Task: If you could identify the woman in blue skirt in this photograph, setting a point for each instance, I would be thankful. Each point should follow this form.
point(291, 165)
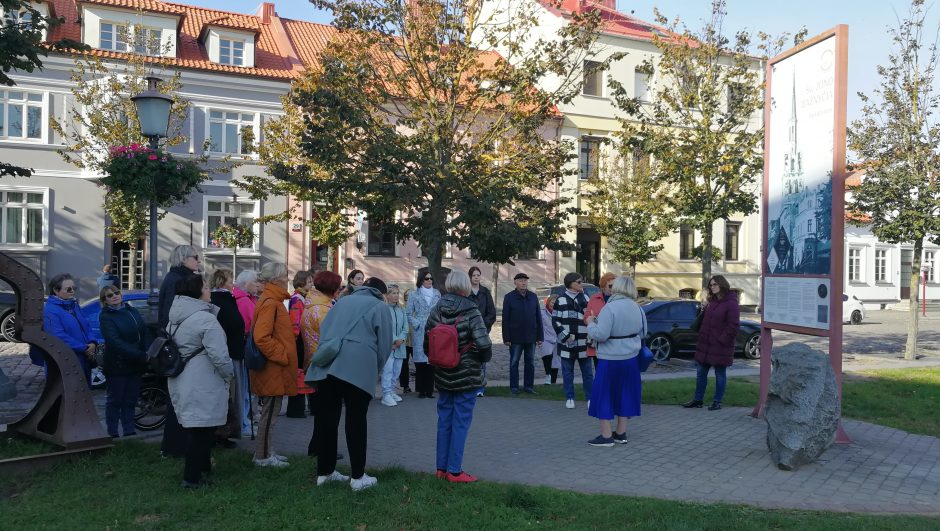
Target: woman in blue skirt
point(617, 332)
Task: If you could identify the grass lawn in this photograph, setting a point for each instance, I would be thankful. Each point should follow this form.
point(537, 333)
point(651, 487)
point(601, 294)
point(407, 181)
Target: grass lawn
point(133, 487)
point(906, 399)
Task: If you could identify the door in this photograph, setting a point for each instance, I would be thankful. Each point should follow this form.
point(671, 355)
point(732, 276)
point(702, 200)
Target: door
point(121, 264)
point(588, 257)
point(907, 263)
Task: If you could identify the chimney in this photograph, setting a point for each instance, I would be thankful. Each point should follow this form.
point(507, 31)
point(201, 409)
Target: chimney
point(266, 12)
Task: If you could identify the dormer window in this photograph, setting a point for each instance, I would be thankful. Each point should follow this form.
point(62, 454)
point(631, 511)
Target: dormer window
point(124, 31)
point(231, 52)
point(17, 18)
point(147, 41)
point(113, 37)
point(23, 17)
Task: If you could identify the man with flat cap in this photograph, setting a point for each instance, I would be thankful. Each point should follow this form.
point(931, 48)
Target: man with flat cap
point(522, 332)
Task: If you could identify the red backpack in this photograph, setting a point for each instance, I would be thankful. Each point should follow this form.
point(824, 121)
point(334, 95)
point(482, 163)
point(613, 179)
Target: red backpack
point(443, 348)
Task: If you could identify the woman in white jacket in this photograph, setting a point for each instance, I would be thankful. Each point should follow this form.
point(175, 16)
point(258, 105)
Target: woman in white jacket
point(618, 333)
point(200, 393)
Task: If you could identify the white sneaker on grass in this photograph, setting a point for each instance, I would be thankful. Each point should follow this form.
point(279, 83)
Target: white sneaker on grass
point(362, 483)
point(334, 476)
point(396, 397)
point(569, 404)
point(279, 457)
point(548, 379)
point(387, 400)
point(272, 462)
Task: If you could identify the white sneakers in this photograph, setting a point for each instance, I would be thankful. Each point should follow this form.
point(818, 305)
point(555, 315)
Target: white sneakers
point(389, 400)
point(569, 404)
point(272, 461)
point(548, 379)
point(362, 483)
point(396, 397)
point(335, 476)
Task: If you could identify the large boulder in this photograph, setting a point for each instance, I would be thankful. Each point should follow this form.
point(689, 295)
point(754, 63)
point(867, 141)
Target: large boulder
point(7, 388)
point(803, 407)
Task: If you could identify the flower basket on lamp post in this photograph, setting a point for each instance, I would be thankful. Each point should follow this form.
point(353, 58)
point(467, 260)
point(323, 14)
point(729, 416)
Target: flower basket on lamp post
point(233, 236)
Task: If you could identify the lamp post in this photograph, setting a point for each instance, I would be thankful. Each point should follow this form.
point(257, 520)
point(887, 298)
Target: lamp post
point(153, 113)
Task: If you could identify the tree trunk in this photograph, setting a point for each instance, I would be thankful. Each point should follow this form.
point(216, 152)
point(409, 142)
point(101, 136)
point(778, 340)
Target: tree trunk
point(132, 277)
point(434, 252)
point(632, 270)
point(330, 258)
point(495, 282)
point(913, 323)
point(706, 256)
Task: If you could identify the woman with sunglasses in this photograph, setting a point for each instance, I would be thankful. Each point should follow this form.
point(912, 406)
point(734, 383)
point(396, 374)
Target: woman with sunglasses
point(125, 359)
point(62, 318)
point(419, 307)
point(715, 346)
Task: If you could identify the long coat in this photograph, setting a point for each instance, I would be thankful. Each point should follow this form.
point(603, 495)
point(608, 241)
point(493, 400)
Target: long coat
point(484, 301)
point(231, 321)
point(719, 328)
point(246, 306)
point(274, 336)
point(418, 309)
point(471, 335)
point(364, 323)
point(310, 322)
point(200, 393)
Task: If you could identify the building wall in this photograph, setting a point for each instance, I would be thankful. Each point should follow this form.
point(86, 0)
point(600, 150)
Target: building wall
point(878, 293)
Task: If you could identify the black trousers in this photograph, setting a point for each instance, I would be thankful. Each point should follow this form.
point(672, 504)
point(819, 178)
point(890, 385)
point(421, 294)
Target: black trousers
point(547, 363)
point(297, 404)
point(313, 447)
point(198, 452)
point(333, 394)
point(174, 440)
point(404, 378)
point(424, 378)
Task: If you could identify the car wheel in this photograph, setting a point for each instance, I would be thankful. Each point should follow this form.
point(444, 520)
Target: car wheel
point(151, 409)
point(856, 317)
point(661, 347)
point(752, 347)
point(8, 327)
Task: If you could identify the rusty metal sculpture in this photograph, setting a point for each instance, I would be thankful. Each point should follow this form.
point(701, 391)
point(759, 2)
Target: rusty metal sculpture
point(64, 415)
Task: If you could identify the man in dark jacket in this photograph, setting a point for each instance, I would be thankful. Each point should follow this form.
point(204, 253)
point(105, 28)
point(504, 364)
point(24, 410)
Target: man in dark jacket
point(522, 332)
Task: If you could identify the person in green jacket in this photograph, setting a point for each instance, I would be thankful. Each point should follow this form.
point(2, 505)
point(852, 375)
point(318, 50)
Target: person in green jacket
point(125, 358)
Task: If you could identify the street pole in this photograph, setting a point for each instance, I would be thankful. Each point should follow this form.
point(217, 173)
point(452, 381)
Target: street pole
point(152, 300)
point(923, 300)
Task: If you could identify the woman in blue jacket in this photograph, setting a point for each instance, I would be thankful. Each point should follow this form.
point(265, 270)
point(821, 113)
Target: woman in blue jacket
point(125, 358)
point(62, 318)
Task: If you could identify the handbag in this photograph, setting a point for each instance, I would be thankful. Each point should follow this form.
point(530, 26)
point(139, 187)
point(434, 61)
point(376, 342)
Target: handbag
point(645, 357)
point(254, 358)
point(697, 322)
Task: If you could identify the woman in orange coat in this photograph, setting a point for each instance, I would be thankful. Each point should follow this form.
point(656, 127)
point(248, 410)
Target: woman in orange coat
point(274, 336)
point(596, 304)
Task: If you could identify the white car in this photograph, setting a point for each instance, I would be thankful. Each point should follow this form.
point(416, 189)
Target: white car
point(853, 311)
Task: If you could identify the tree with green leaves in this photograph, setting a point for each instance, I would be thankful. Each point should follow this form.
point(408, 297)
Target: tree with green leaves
point(702, 125)
point(628, 206)
point(418, 122)
point(105, 117)
point(896, 139)
point(22, 47)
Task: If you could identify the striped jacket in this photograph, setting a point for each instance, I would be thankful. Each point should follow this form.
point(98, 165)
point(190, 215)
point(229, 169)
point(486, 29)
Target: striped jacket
point(568, 321)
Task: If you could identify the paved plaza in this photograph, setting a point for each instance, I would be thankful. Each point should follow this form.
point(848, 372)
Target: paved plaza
point(674, 453)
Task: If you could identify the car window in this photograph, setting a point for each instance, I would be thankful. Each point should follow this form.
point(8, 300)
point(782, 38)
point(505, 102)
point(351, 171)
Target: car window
point(140, 304)
point(656, 313)
point(682, 311)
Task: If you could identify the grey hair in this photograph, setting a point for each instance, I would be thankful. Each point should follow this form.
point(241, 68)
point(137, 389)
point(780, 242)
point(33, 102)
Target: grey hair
point(246, 276)
point(457, 282)
point(180, 252)
point(624, 285)
point(271, 271)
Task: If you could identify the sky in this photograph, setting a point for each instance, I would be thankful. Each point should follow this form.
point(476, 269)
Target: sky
point(868, 21)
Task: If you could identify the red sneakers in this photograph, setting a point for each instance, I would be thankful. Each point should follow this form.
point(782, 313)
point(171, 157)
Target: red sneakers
point(462, 477)
point(440, 474)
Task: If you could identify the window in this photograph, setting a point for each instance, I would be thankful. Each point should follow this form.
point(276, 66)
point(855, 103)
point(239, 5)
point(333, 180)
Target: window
point(732, 233)
point(930, 263)
point(590, 157)
point(147, 41)
point(227, 132)
point(529, 255)
point(641, 84)
point(881, 265)
point(225, 211)
point(21, 17)
point(686, 242)
point(381, 240)
point(809, 226)
point(23, 217)
point(593, 79)
point(855, 264)
point(113, 36)
point(21, 114)
point(231, 52)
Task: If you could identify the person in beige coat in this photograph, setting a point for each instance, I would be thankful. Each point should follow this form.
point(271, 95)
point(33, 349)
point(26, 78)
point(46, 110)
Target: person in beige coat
point(200, 393)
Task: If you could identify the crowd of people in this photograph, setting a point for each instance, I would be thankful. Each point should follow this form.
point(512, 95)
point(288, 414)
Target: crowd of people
point(326, 345)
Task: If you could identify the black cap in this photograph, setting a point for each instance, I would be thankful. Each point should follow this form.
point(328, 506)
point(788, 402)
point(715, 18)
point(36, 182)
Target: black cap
point(376, 283)
point(520, 275)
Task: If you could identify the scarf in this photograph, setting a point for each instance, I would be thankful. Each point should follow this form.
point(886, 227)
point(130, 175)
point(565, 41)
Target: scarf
point(427, 293)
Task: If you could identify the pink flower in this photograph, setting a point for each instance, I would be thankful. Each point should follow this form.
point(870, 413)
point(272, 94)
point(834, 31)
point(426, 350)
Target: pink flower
point(152, 157)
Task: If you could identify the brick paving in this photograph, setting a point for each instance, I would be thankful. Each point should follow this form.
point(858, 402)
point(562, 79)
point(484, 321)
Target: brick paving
point(690, 455)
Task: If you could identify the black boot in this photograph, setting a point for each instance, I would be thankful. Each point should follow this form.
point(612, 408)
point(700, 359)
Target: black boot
point(693, 403)
point(714, 407)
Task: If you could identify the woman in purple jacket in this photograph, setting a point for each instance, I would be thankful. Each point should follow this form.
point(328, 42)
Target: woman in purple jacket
point(716, 335)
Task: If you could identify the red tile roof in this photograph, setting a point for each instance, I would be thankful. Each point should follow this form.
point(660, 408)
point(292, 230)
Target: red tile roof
point(613, 22)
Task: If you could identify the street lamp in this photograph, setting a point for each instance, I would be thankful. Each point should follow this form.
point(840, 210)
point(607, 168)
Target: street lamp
point(153, 113)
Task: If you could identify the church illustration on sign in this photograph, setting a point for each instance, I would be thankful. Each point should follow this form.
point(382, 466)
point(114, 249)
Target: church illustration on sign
point(799, 240)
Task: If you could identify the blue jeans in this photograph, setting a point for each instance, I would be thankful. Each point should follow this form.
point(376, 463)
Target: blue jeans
point(701, 381)
point(121, 403)
point(587, 376)
point(454, 414)
point(516, 350)
point(483, 367)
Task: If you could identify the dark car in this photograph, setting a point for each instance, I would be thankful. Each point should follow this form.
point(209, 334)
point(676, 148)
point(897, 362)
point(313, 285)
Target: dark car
point(544, 292)
point(7, 315)
point(670, 329)
point(137, 298)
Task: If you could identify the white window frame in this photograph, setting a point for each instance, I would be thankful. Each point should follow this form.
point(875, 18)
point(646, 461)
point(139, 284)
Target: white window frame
point(642, 84)
point(855, 255)
point(254, 123)
point(930, 259)
point(143, 39)
point(117, 45)
point(882, 266)
point(539, 255)
point(206, 234)
point(229, 58)
point(25, 103)
point(584, 162)
point(25, 206)
point(17, 16)
point(601, 78)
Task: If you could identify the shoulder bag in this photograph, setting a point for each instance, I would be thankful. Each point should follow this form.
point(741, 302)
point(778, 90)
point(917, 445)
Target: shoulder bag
point(254, 358)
